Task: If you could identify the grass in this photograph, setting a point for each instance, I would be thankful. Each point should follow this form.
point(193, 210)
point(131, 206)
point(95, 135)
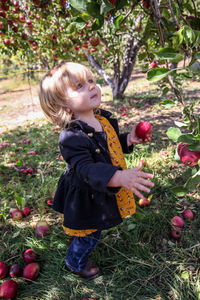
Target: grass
point(138, 259)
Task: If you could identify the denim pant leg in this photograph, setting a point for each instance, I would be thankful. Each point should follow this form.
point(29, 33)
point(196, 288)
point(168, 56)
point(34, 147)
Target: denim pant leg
point(79, 249)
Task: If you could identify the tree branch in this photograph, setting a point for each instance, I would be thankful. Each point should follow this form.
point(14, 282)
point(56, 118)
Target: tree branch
point(158, 21)
point(173, 16)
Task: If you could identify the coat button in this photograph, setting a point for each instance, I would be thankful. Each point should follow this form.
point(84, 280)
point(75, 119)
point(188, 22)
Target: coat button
point(90, 134)
point(98, 151)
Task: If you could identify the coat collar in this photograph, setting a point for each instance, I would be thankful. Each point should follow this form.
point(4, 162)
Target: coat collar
point(84, 126)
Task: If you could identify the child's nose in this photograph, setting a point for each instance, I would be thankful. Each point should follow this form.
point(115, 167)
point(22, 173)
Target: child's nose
point(91, 86)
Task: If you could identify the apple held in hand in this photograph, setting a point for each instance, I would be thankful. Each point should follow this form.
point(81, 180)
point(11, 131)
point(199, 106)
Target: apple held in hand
point(143, 129)
point(29, 256)
point(15, 270)
point(144, 202)
point(176, 233)
point(42, 228)
point(31, 271)
point(177, 221)
point(3, 270)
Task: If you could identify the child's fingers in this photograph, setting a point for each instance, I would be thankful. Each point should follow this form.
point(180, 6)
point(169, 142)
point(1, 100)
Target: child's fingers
point(142, 187)
point(137, 193)
point(146, 182)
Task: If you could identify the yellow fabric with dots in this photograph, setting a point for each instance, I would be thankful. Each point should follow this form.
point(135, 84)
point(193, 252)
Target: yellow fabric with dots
point(125, 199)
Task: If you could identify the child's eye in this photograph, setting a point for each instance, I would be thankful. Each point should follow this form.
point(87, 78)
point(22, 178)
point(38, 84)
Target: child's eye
point(79, 86)
point(90, 80)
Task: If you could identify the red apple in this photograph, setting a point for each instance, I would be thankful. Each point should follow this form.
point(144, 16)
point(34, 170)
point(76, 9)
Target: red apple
point(153, 64)
point(112, 1)
point(94, 41)
point(29, 256)
point(15, 270)
point(54, 36)
point(3, 270)
point(42, 228)
point(33, 152)
point(77, 48)
point(143, 129)
point(50, 202)
point(31, 271)
point(16, 214)
point(177, 221)
point(6, 42)
point(146, 4)
point(188, 157)
point(21, 18)
point(176, 233)
point(144, 202)
point(8, 289)
point(188, 214)
point(26, 210)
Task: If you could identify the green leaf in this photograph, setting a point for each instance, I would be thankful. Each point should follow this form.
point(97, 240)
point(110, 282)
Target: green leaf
point(166, 53)
point(105, 7)
point(194, 147)
point(19, 162)
point(193, 182)
point(168, 103)
point(157, 74)
point(185, 275)
point(117, 22)
point(131, 227)
point(173, 133)
point(177, 58)
point(98, 23)
point(186, 138)
point(20, 201)
point(188, 34)
point(89, 6)
point(165, 91)
point(179, 190)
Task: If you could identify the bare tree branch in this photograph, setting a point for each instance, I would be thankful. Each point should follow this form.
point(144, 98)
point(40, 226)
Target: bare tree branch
point(173, 16)
point(158, 21)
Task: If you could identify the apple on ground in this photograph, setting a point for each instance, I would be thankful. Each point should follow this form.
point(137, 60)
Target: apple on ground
point(16, 214)
point(143, 129)
point(15, 270)
point(42, 228)
point(94, 41)
point(153, 64)
point(3, 270)
point(188, 214)
point(144, 202)
point(177, 221)
point(29, 255)
point(8, 289)
point(31, 271)
point(176, 233)
point(26, 210)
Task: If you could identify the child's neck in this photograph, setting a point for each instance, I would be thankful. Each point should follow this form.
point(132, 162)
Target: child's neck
point(90, 119)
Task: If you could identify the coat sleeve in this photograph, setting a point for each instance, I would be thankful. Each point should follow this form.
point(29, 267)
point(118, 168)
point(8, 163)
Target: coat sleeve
point(76, 150)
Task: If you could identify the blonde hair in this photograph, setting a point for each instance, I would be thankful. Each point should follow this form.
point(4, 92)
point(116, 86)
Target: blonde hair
point(52, 90)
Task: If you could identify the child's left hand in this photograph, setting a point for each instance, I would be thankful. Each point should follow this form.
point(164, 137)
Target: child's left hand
point(132, 138)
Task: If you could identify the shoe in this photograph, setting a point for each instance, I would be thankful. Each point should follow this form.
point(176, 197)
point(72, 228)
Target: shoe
point(91, 271)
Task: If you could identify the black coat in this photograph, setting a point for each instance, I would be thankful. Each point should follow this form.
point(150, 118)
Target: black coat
point(82, 194)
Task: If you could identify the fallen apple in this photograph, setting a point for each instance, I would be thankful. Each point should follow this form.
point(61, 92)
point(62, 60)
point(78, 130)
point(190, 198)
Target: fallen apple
point(3, 270)
point(29, 256)
point(153, 64)
point(42, 228)
point(16, 214)
point(15, 270)
point(177, 221)
point(26, 210)
point(8, 289)
point(176, 233)
point(143, 129)
point(144, 202)
point(31, 271)
point(188, 214)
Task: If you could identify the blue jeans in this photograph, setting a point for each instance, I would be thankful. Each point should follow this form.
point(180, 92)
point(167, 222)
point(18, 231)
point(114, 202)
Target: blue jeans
point(79, 250)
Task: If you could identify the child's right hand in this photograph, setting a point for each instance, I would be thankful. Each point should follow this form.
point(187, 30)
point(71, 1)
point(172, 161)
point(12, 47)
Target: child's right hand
point(133, 179)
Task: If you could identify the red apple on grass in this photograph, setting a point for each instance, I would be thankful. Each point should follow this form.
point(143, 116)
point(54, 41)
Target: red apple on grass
point(8, 289)
point(177, 221)
point(16, 214)
point(143, 129)
point(31, 271)
point(94, 41)
point(3, 270)
point(176, 233)
point(29, 256)
point(26, 210)
point(144, 202)
point(42, 228)
point(188, 214)
point(15, 270)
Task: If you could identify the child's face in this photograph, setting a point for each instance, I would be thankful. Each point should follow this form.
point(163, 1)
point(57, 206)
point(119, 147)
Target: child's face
point(84, 97)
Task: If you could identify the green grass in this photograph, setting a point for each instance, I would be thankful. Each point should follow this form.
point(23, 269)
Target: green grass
point(138, 259)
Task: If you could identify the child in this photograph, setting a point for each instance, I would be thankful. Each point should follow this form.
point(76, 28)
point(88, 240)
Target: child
point(96, 190)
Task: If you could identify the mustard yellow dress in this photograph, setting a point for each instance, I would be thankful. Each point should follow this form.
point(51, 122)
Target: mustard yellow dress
point(124, 197)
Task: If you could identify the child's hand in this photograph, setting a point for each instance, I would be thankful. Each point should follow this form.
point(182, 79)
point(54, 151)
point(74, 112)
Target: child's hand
point(133, 179)
point(132, 138)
